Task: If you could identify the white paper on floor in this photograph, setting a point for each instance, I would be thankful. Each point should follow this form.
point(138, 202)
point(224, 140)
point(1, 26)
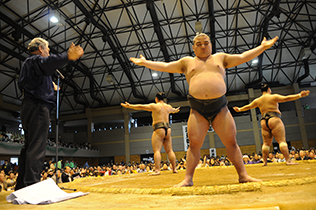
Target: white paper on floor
point(44, 192)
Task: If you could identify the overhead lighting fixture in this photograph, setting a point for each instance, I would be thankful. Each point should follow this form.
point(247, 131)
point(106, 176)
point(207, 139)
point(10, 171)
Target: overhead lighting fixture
point(154, 74)
point(255, 61)
point(53, 17)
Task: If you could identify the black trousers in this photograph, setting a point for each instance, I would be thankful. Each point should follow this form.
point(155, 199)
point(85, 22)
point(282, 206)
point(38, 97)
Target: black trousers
point(35, 117)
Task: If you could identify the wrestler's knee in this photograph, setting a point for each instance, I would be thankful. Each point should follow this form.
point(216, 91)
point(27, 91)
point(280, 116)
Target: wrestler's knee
point(196, 143)
point(230, 142)
point(265, 148)
point(283, 145)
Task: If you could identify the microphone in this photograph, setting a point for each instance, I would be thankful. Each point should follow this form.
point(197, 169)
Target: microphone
point(61, 75)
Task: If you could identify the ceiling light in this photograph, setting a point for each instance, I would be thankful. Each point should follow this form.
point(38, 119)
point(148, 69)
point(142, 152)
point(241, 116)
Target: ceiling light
point(54, 19)
point(155, 74)
point(254, 61)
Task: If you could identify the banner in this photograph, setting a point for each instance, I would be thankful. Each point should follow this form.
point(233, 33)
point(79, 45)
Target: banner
point(185, 137)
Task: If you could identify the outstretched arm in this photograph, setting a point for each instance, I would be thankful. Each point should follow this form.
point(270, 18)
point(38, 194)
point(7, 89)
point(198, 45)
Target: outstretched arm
point(237, 59)
point(171, 67)
point(292, 97)
point(174, 110)
point(252, 105)
point(146, 107)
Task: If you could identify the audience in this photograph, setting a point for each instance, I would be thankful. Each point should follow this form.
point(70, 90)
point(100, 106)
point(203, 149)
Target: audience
point(71, 171)
point(2, 180)
point(19, 138)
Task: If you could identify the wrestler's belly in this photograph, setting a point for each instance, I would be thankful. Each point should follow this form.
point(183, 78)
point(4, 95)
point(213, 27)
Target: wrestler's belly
point(207, 86)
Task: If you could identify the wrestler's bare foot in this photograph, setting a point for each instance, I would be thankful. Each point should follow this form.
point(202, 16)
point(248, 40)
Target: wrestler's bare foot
point(264, 164)
point(291, 163)
point(175, 171)
point(154, 174)
point(184, 183)
point(249, 179)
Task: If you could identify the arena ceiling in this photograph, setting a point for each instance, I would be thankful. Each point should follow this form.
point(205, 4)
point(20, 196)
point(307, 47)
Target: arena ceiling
point(112, 31)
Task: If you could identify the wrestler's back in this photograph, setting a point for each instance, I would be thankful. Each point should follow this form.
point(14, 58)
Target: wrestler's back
point(268, 103)
point(161, 113)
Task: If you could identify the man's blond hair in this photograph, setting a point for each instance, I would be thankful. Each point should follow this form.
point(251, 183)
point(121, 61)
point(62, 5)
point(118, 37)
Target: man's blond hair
point(199, 35)
point(36, 43)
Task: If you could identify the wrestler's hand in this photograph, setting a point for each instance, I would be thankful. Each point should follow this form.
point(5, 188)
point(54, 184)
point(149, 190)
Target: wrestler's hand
point(55, 86)
point(176, 110)
point(126, 104)
point(304, 93)
point(138, 61)
point(75, 52)
point(237, 109)
point(268, 43)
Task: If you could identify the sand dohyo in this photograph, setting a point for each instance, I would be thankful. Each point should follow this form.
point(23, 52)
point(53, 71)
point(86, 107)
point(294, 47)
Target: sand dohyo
point(283, 187)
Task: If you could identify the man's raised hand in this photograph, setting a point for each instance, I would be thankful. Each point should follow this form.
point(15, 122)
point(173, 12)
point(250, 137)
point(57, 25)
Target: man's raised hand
point(138, 61)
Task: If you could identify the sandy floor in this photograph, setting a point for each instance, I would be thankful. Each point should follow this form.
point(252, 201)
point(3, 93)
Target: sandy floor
point(283, 187)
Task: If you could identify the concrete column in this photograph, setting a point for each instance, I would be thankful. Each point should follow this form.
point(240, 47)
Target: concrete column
point(300, 116)
point(255, 126)
point(211, 139)
point(90, 125)
point(127, 125)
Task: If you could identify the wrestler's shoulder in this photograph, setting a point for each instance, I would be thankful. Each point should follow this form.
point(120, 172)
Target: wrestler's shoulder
point(187, 58)
point(218, 54)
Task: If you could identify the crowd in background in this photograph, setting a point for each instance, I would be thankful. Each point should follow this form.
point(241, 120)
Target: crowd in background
point(68, 170)
point(19, 139)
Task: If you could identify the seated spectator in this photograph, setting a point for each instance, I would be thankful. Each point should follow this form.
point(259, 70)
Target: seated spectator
point(91, 171)
point(227, 162)
point(311, 155)
point(256, 159)
point(108, 171)
point(50, 173)
point(149, 168)
point(120, 170)
point(292, 157)
point(10, 182)
point(297, 156)
point(142, 168)
point(213, 162)
point(303, 155)
point(200, 164)
point(99, 172)
point(281, 158)
point(66, 177)
point(246, 159)
point(182, 165)
point(44, 176)
point(76, 175)
point(222, 163)
point(114, 170)
point(2, 179)
point(165, 167)
point(129, 169)
point(218, 161)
